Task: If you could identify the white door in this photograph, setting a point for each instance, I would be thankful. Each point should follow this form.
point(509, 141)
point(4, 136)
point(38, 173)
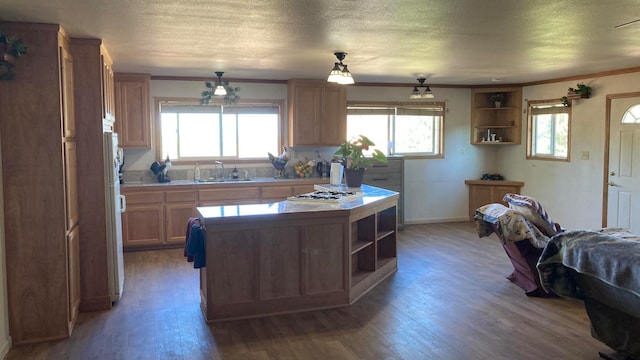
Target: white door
point(623, 205)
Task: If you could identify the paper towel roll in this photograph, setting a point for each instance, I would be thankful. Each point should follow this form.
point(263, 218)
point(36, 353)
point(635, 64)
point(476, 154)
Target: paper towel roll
point(335, 177)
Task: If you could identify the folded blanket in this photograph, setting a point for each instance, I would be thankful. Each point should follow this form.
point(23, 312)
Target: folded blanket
point(510, 225)
point(612, 259)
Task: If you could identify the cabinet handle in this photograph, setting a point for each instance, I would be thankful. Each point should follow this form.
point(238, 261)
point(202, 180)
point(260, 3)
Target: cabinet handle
point(379, 179)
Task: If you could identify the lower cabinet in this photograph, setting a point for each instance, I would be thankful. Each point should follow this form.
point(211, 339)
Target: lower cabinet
point(483, 192)
point(158, 218)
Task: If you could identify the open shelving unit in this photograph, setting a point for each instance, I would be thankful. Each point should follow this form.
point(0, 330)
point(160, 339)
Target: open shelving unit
point(504, 121)
point(373, 250)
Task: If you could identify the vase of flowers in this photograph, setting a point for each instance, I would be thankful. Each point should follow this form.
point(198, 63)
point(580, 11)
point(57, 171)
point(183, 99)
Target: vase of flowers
point(354, 160)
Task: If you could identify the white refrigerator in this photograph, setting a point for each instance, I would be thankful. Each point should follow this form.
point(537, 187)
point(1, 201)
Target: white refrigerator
point(115, 206)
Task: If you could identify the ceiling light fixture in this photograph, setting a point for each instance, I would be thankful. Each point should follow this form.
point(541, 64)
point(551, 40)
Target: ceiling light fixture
point(340, 73)
point(426, 94)
point(219, 89)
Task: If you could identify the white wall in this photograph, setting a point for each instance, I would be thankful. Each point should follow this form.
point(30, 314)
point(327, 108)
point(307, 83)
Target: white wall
point(5, 339)
point(570, 191)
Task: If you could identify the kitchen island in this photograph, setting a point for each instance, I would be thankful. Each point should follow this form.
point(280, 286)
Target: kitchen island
point(291, 256)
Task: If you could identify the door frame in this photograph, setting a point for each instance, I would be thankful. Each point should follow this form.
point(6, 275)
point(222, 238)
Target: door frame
point(607, 144)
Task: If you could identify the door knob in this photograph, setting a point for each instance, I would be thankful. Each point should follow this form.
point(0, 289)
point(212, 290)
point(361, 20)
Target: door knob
point(611, 183)
point(612, 173)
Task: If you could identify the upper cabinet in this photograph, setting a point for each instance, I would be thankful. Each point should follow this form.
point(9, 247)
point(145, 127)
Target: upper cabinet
point(317, 113)
point(132, 120)
point(496, 116)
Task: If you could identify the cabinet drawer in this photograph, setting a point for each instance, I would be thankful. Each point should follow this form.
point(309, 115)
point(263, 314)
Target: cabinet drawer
point(146, 197)
point(248, 193)
point(281, 192)
point(382, 168)
point(181, 196)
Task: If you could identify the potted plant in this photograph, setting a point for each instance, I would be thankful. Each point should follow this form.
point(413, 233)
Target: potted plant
point(11, 49)
point(497, 98)
point(581, 91)
point(354, 161)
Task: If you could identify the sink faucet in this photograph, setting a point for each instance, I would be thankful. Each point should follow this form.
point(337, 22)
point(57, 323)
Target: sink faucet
point(221, 165)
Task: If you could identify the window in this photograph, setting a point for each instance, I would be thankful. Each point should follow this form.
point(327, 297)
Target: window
point(548, 130)
point(632, 115)
point(191, 132)
point(413, 130)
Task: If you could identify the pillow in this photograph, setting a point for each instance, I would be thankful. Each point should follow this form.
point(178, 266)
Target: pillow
point(531, 209)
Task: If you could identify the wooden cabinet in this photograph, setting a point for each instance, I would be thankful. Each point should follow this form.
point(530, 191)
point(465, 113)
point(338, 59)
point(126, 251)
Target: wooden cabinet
point(487, 118)
point(180, 205)
point(317, 113)
point(483, 192)
point(38, 139)
point(94, 110)
point(389, 176)
point(157, 218)
point(132, 120)
point(143, 221)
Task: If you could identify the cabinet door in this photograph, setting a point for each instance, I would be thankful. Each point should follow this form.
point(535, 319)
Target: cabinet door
point(66, 73)
point(305, 115)
point(71, 183)
point(143, 225)
point(479, 195)
point(178, 215)
point(334, 115)
point(73, 273)
point(108, 101)
point(132, 121)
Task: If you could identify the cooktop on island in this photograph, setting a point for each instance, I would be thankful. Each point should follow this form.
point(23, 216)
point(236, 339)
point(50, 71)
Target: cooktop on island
point(327, 194)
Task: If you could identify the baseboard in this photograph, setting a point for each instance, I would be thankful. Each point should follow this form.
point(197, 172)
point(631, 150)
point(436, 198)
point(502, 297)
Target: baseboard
point(5, 346)
point(435, 221)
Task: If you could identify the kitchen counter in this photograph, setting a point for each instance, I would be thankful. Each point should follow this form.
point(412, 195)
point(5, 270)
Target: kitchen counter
point(251, 182)
point(292, 256)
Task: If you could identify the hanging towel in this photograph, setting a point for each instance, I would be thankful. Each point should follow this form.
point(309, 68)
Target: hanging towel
point(192, 221)
point(196, 247)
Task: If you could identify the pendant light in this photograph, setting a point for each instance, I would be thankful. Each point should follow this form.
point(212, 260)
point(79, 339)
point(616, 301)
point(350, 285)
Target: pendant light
point(340, 73)
point(220, 90)
point(426, 94)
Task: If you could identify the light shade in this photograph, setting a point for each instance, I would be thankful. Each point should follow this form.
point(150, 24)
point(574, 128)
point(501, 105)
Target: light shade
point(426, 94)
point(340, 74)
point(220, 90)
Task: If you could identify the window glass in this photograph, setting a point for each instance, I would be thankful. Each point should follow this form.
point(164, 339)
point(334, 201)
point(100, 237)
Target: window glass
point(632, 115)
point(191, 132)
point(413, 130)
point(548, 134)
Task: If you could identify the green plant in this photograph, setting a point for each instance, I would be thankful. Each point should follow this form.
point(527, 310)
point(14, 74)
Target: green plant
point(352, 152)
point(581, 89)
point(11, 48)
point(497, 97)
point(230, 98)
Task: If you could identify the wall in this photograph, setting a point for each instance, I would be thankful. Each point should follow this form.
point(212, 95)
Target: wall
point(5, 338)
point(437, 188)
point(570, 191)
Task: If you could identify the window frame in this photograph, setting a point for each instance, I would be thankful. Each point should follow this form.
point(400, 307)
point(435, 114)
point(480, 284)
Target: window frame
point(158, 101)
point(396, 104)
point(530, 131)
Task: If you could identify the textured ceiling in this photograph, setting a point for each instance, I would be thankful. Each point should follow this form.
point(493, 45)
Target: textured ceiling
point(454, 42)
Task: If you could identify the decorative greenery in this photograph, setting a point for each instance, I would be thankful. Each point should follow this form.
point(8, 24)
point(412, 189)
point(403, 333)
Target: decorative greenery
point(11, 48)
point(351, 152)
point(581, 89)
point(230, 98)
point(497, 97)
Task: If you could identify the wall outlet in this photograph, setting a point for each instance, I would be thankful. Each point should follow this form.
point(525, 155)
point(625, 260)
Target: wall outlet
point(584, 155)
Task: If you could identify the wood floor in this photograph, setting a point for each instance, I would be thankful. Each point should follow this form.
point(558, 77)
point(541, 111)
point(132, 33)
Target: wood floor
point(449, 300)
